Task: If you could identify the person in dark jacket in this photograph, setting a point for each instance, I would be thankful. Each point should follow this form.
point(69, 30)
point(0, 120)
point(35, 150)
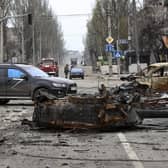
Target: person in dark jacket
point(66, 70)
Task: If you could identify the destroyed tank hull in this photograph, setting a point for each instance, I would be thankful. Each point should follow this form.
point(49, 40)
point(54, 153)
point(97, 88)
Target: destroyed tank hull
point(85, 112)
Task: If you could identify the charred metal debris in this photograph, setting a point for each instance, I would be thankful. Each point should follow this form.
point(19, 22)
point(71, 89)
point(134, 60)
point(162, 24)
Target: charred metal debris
point(125, 105)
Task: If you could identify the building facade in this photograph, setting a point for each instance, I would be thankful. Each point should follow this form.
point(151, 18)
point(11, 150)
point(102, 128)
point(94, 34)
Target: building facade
point(158, 12)
point(154, 3)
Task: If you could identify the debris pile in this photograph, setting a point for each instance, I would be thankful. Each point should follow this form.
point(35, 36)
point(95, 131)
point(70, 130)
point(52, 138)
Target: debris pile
point(126, 105)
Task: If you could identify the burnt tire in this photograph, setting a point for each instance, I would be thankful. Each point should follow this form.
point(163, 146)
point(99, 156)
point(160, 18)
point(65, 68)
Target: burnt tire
point(4, 101)
point(38, 92)
point(35, 117)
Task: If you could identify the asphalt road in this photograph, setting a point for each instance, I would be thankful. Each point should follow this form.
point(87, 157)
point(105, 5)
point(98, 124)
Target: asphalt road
point(21, 146)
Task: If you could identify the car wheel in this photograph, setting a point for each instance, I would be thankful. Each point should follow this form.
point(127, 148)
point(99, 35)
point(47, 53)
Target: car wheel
point(4, 101)
point(38, 92)
point(82, 77)
point(70, 77)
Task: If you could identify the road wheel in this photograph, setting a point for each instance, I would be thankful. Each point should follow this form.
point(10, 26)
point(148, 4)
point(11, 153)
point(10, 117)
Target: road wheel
point(35, 117)
point(4, 101)
point(38, 92)
point(82, 77)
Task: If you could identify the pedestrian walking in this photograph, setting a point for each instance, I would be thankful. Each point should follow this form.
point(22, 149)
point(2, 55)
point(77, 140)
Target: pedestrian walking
point(66, 70)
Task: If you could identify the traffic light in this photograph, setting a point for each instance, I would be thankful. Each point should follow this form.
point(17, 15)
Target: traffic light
point(29, 19)
point(166, 3)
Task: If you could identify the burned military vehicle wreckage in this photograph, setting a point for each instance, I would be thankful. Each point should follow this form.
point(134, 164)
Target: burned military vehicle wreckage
point(126, 105)
point(86, 111)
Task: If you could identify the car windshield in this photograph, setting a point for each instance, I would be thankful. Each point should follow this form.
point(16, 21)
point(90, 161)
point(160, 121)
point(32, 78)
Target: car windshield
point(76, 70)
point(48, 62)
point(36, 72)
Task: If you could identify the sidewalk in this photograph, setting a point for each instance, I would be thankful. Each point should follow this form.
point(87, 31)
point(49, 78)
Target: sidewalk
point(107, 77)
point(90, 73)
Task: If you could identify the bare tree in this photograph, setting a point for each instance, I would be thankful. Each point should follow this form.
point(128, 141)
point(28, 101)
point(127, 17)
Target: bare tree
point(97, 27)
point(4, 9)
point(40, 38)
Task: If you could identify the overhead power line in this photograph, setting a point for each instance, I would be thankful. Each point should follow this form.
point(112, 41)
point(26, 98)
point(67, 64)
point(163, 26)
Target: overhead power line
point(76, 14)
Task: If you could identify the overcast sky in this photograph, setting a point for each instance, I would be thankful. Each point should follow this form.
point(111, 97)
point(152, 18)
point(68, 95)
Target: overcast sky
point(74, 27)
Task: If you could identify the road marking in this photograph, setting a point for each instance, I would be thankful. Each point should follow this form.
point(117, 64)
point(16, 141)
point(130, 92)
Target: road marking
point(131, 154)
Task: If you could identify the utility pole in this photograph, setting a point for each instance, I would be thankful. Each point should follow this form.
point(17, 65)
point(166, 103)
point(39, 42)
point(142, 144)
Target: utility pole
point(136, 35)
point(23, 48)
point(33, 43)
point(129, 30)
point(1, 35)
point(129, 26)
point(40, 45)
point(109, 35)
point(118, 35)
point(33, 31)
point(1, 54)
